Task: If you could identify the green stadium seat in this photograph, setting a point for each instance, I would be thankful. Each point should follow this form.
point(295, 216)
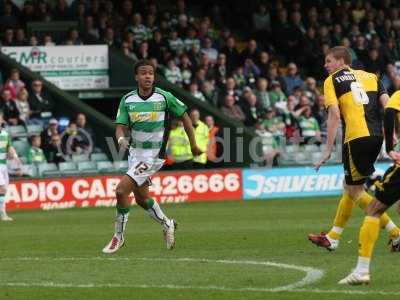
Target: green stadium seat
point(80, 158)
point(105, 166)
point(21, 146)
point(48, 169)
point(34, 129)
point(30, 170)
point(87, 167)
point(311, 148)
point(98, 157)
point(121, 166)
point(17, 131)
point(68, 168)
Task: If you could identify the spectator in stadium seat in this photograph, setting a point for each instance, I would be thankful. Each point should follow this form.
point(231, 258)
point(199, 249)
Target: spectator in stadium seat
point(48, 132)
point(140, 31)
point(73, 37)
point(157, 46)
point(8, 18)
point(292, 79)
point(40, 101)
point(240, 79)
point(72, 143)
point(202, 137)
point(232, 54)
point(320, 114)
point(90, 32)
point(230, 89)
point(220, 69)
point(109, 37)
point(264, 64)
point(35, 153)
point(262, 22)
point(375, 63)
point(311, 89)
point(309, 127)
point(262, 93)
point(33, 41)
point(191, 39)
point(8, 38)
point(250, 52)
point(143, 51)
point(28, 12)
point(389, 74)
point(126, 50)
point(251, 108)
point(84, 130)
point(273, 123)
point(186, 70)
point(208, 50)
point(194, 90)
point(14, 84)
point(23, 105)
point(175, 43)
point(42, 12)
point(52, 152)
point(232, 110)
point(251, 72)
point(276, 93)
point(20, 38)
point(61, 12)
point(270, 147)
point(48, 41)
point(9, 108)
point(211, 93)
point(172, 73)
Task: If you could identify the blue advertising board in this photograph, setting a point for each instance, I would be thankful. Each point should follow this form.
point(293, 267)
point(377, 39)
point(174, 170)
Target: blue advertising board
point(295, 182)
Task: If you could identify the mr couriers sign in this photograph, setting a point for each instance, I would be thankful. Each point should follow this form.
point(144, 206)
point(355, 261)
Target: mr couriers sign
point(68, 67)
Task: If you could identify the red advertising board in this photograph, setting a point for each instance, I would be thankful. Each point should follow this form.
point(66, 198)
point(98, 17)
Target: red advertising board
point(97, 191)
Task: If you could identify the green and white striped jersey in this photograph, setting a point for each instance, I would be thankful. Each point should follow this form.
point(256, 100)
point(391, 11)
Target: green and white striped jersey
point(148, 120)
point(5, 143)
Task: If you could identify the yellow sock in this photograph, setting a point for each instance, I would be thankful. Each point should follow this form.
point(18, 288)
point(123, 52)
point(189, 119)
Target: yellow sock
point(343, 213)
point(369, 233)
point(386, 222)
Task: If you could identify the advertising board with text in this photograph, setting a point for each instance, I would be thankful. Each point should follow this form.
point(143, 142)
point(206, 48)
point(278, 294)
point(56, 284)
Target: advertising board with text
point(99, 191)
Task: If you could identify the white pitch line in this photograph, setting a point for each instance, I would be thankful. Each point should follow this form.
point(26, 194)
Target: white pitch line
point(312, 274)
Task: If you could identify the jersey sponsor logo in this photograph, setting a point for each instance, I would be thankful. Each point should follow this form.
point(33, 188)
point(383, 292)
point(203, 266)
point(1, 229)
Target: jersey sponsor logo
point(143, 116)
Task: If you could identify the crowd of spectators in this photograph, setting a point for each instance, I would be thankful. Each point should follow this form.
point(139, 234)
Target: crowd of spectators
point(267, 75)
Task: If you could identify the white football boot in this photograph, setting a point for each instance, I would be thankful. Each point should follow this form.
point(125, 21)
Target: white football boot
point(356, 279)
point(169, 234)
point(115, 244)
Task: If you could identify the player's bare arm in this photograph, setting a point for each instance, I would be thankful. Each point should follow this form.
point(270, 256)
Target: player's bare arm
point(389, 121)
point(332, 126)
point(187, 124)
point(122, 136)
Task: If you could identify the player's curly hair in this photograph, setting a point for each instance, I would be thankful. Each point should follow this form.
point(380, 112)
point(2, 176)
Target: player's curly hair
point(141, 63)
point(339, 52)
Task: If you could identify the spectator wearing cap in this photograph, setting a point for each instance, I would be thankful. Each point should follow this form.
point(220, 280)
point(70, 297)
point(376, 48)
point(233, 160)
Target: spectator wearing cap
point(292, 79)
point(14, 84)
point(40, 101)
point(48, 132)
point(9, 108)
point(232, 110)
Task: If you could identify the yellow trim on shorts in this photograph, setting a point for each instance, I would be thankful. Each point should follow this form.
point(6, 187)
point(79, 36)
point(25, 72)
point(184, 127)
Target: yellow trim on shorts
point(355, 175)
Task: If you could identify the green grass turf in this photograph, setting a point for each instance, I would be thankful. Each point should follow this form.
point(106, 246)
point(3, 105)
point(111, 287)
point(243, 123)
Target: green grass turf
point(272, 231)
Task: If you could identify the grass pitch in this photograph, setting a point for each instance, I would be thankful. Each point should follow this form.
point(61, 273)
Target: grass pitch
point(57, 254)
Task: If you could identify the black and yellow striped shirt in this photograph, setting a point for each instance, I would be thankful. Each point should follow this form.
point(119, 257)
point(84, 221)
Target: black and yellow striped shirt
point(357, 93)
